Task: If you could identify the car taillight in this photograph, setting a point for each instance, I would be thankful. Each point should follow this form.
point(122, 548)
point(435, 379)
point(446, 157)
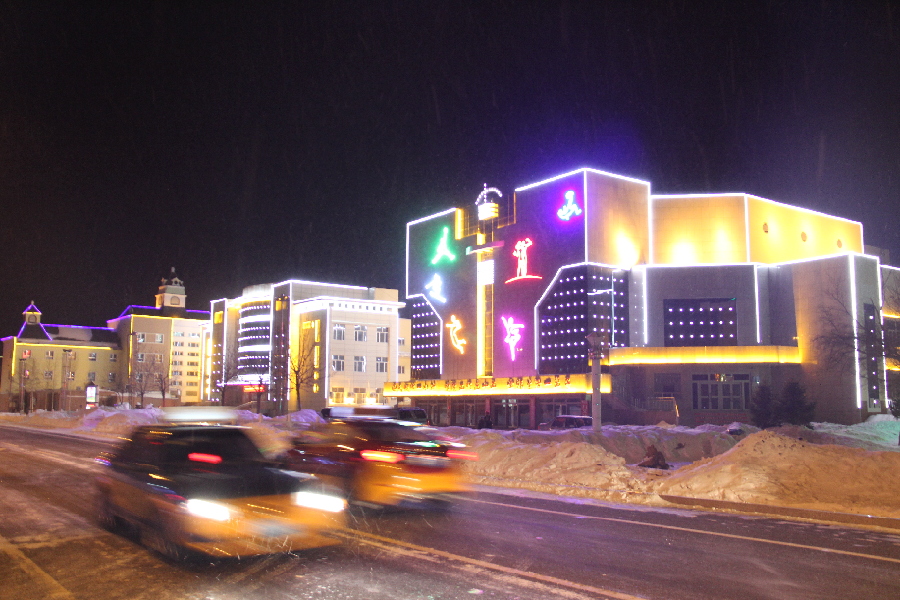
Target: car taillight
point(381, 456)
point(462, 455)
point(212, 459)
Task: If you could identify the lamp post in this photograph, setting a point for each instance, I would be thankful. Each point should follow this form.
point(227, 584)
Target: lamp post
point(598, 350)
point(67, 355)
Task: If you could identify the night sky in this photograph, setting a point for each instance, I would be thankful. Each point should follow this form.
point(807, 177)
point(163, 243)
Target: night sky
point(253, 142)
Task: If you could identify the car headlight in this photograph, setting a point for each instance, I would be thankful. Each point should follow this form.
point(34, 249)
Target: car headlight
point(319, 501)
point(207, 510)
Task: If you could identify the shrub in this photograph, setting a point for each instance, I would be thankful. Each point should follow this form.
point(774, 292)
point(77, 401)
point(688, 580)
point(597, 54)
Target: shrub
point(792, 407)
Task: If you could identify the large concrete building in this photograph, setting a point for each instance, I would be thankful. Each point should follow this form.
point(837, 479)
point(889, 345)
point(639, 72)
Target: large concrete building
point(689, 302)
point(148, 354)
point(302, 344)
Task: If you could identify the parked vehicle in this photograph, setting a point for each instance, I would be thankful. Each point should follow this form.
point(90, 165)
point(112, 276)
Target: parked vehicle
point(567, 422)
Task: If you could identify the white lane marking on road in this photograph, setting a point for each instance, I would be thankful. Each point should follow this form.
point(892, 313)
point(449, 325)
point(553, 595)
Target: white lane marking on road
point(391, 543)
point(689, 530)
point(55, 590)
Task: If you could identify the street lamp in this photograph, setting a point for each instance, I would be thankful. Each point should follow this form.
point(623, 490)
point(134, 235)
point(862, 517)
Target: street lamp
point(22, 385)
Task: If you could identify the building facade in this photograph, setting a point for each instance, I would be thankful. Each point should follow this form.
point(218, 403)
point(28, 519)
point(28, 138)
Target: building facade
point(146, 355)
point(678, 307)
point(302, 344)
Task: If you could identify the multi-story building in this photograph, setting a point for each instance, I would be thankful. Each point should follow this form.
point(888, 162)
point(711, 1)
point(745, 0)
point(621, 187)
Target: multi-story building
point(688, 303)
point(149, 354)
point(306, 344)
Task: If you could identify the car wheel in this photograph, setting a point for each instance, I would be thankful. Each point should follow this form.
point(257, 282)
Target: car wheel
point(105, 517)
point(156, 537)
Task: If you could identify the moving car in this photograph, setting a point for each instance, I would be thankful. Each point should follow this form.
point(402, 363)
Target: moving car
point(187, 489)
point(381, 462)
point(404, 413)
point(567, 422)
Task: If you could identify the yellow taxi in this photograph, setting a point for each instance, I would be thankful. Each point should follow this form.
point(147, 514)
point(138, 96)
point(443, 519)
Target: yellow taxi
point(381, 462)
point(188, 489)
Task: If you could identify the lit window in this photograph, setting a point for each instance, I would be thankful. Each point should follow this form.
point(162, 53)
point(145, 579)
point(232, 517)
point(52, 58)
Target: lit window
point(337, 394)
point(140, 357)
point(159, 338)
point(359, 394)
point(141, 337)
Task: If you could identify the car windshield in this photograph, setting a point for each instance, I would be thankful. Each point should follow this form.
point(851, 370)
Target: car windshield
point(230, 445)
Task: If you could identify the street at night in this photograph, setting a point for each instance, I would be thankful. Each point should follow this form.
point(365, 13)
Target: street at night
point(491, 544)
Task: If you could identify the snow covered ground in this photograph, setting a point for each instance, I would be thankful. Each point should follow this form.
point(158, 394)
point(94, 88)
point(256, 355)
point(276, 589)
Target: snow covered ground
point(851, 469)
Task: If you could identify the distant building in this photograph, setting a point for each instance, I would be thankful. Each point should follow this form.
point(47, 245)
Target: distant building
point(302, 344)
point(689, 303)
point(149, 354)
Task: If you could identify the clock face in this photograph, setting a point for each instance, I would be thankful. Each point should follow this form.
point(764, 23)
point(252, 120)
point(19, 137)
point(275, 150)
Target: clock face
point(32, 319)
point(175, 301)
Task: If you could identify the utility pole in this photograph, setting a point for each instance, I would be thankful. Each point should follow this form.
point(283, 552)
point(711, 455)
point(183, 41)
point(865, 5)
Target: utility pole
point(22, 385)
point(67, 354)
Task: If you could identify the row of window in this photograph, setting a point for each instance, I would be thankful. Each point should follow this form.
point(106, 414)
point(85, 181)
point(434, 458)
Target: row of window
point(159, 338)
point(361, 334)
point(358, 394)
point(359, 363)
point(113, 357)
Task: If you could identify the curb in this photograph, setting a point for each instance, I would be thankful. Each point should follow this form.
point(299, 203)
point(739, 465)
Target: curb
point(786, 511)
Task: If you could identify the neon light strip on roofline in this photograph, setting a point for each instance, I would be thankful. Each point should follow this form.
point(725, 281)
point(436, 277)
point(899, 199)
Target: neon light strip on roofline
point(582, 170)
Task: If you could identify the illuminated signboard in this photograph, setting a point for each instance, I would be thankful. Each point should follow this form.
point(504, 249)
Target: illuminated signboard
point(512, 334)
point(443, 249)
point(435, 288)
point(521, 253)
point(455, 326)
point(570, 208)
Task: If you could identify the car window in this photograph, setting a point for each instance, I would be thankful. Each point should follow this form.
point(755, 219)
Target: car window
point(231, 445)
point(391, 432)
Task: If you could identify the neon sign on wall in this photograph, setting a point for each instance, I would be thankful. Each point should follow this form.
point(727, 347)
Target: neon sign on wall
point(512, 334)
point(570, 208)
point(521, 254)
point(454, 326)
point(435, 288)
point(443, 248)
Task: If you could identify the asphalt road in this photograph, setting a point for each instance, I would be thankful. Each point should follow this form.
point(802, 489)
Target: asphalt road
point(490, 545)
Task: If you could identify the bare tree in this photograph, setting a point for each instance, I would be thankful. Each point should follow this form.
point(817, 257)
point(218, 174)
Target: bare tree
point(26, 381)
point(303, 365)
point(144, 367)
point(160, 375)
point(229, 371)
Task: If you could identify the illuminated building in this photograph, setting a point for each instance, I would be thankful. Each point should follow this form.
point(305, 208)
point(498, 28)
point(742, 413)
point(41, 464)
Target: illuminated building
point(302, 344)
point(149, 352)
point(696, 300)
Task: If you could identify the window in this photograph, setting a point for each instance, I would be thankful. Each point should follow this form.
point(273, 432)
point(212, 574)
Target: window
point(111, 378)
point(360, 333)
point(381, 364)
point(141, 337)
point(191, 393)
point(178, 344)
point(191, 383)
point(193, 363)
point(176, 382)
point(92, 356)
point(401, 370)
point(176, 373)
point(92, 376)
point(359, 394)
point(159, 338)
point(191, 373)
point(178, 334)
point(337, 362)
point(49, 354)
point(193, 345)
point(140, 357)
point(70, 376)
point(337, 394)
point(193, 354)
point(700, 322)
point(721, 391)
point(177, 352)
point(339, 330)
point(139, 377)
point(113, 357)
point(177, 363)
point(48, 374)
point(401, 341)
point(359, 364)
point(382, 334)
point(195, 334)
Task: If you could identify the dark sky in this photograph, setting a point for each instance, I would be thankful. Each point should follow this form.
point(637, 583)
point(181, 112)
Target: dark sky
point(252, 142)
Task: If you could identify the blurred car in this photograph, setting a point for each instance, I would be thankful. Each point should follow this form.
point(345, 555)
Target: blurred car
point(567, 422)
point(187, 489)
point(381, 462)
point(406, 413)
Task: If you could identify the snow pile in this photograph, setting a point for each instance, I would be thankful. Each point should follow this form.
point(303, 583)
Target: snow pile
point(768, 468)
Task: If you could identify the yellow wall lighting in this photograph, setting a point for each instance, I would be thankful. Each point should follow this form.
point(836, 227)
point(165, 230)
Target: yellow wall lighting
point(705, 355)
point(502, 386)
